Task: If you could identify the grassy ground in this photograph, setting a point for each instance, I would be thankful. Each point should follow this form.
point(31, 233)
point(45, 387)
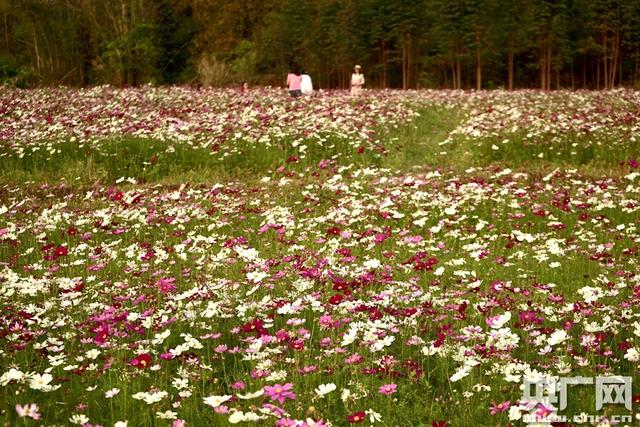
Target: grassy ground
point(178, 222)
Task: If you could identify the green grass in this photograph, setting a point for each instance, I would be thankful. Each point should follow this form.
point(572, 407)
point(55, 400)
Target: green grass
point(162, 166)
point(412, 147)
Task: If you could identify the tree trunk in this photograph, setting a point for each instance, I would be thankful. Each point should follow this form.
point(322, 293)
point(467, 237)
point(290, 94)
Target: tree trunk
point(614, 60)
point(573, 80)
point(478, 70)
point(605, 61)
point(410, 70)
point(6, 32)
point(383, 52)
point(543, 67)
point(548, 66)
point(458, 74)
point(510, 61)
point(35, 44)
point(453, 75)
point(598, 74)
point(404, 63)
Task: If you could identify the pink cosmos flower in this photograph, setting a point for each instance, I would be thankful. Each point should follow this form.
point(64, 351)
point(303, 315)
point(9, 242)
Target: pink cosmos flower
point(222, 409)
point(275, 410)
point(29, 410)
point(307, 369)
point(279, 392)
point(166, 285)
point(388, 389)
point(500, 407)
point(354, 359)
point(238, 385)
point(543, 411)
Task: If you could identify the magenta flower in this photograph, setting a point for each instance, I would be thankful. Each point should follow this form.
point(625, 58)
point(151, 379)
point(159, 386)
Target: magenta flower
point(279, 392)
point(388, 388)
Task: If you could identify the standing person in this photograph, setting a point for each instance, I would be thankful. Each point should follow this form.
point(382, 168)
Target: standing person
point(293, 82)
point(357, 80)
point(306, 85)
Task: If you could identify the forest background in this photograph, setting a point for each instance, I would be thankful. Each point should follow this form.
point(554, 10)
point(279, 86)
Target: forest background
point(458, 44)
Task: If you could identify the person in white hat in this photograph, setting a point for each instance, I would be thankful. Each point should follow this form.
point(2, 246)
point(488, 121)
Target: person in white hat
point(357, 80)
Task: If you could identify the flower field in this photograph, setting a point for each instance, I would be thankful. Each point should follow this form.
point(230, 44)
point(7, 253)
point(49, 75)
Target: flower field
point(177, 257)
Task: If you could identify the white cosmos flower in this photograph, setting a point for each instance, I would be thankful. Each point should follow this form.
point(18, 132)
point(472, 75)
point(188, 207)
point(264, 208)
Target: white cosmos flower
point(558, 336)
point(460, 373)
point(79, 419)
point(150, 398)
point(12, 375)
point(110, 393)
point(632, 355)
point(324, 389)
point(239, 416)
point(167, 415)
point(498, 322)
point(256, 276)
point(373, 416)
point(251, 395)
point(590, 294)
point(215, 401)
point(451, 210)
point(40, 382)
point(372, 263)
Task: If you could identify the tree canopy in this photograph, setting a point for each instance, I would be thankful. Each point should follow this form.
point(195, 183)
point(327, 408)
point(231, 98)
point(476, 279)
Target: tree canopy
point(460, 44)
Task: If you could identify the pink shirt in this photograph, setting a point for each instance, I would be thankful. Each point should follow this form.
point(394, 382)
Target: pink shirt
point(294, 81)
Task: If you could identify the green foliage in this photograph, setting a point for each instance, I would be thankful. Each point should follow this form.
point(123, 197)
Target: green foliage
point(22, 76)
point(433, 43)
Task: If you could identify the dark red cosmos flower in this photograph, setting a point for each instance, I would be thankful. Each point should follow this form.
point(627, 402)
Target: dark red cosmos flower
point(116, 196)
point(333, 231)
point(297, 345)
point(634, 163)
point(101, 335)
point(53, 252)
point(141, 361)
point(438, 424)
point(356, 417)
point(254, 326)
point(336, 299)
point(624, 345)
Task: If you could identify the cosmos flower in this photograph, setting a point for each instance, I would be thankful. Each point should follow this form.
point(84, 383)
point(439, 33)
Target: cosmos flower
point(388, 389)
point(356, 417)
point(30, 410)
point(324, 389)
point(141, 361)
point(279, 392)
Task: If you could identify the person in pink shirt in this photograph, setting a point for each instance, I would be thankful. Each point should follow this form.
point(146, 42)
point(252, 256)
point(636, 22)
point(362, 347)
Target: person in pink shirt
point(293, 82)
